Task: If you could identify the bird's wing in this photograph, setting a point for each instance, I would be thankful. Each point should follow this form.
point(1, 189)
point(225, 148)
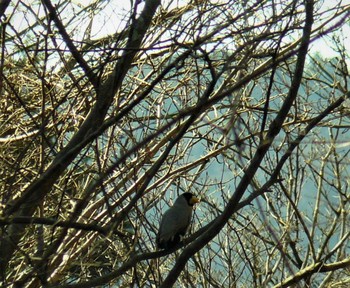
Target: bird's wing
point(174, 221)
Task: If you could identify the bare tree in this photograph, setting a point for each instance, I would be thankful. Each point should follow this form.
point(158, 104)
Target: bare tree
point(109, 112)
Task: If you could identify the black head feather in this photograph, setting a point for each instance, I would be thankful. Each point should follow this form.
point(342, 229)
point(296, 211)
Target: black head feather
point(188, 196)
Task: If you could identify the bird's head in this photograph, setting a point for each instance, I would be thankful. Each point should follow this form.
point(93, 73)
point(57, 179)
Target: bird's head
point(190, 198)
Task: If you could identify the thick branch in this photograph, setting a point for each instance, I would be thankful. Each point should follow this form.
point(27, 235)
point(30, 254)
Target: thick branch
point(3, 6)
point(318, 267)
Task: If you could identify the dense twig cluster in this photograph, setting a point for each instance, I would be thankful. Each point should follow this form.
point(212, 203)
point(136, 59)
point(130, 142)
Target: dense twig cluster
point(105, 117)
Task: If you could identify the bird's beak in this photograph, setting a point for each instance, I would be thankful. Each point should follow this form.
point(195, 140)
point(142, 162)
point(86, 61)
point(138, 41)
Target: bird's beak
point(194, 200)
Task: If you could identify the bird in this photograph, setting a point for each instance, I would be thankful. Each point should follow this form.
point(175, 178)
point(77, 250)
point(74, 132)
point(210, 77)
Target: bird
point(175, 221)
